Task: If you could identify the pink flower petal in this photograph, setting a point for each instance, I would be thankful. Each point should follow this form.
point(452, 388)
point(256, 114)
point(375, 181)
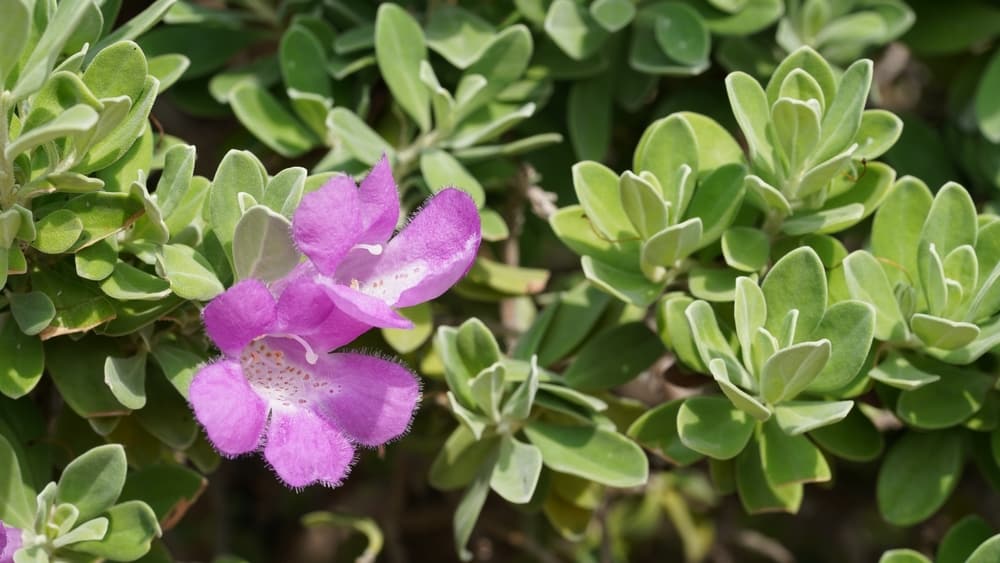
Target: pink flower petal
point(374, 398)
point(231, 412)
point(328, 222)
point(379, 204)
point(429, 256)
point(304, 309)
point(10, 541)
point(244, 312)
point(303, 449)
point(363, 307)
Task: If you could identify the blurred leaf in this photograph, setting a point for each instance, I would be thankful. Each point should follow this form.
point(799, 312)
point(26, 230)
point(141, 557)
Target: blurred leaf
point(22, 359)
point(912, 485)
point(593, 453)
point(399, 48)
point(126, 377)
point(600, 363)
point(270, 122)
point(656, 430)
point(33, 311)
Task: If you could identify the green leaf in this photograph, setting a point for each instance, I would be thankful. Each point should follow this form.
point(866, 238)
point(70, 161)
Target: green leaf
point(168, 69)
point(519, 402)
point(127, 282)
point(711, 426)
point(790, 459)
point(271, 122)
point(629, 286)
point(643, 204)
point(17, 503)
point(746, 249)
point(796, 130)
point(808, 60)
point(656, 430)
point(135, 26)
point(22, 359)
point(613, 15)
point(903, 556)
point(118, 70)
point(717, 200)
point(712, 344)
point(798, 417)
point(749, 314)
point(951, 221)
point(672, 244)
point(740, 398)
point(487, 390)
point(126, 377)
point(588, 117)
point(503, 62)
point(14, 31)
point(895, 370)
point(824, 221)
point(93, 481)
point(843, 115)
point(962, 539)
point(850, 327)
point(597, 188)
point(516, 472)
point(177, 363)
point(682, 34)
point(593, 453)
point(571, 26)
point(461, 457)
point(300, 54)
point(665, 148)
point(946, 402)
point(575, 229)
point(796, 281)
point(937, 332)
point(879, 131)
point(409, 340)
point(986, 100)
point(458, 35)
point(38, 66)
point(751, 108)
point(757, 494)
point(57, 232)
point(132, 528)
point(238, 172)
point(360, 140)
point(600, 364)
point(441, 170)
point(577, 312)
point(399, 49)
point(792, 369)
point(262, 246)
point(468, 509)
point(77, 119)
point(676, 333)
point(913, 485)
point(189, 274)
point(33, 311)
point(867, 281)
point(854, 438)
point(988, 551)
point(897, 227)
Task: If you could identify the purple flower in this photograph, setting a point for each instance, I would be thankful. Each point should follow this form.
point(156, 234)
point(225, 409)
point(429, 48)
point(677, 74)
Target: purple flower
point(272, 387)
point(10, 541)
point(345, 232)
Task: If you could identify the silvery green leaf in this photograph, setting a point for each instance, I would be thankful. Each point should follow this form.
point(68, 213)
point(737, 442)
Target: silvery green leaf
point(262, 246)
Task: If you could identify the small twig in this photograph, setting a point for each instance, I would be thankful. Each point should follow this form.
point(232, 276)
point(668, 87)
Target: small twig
point(759, 543)
point(524, 542)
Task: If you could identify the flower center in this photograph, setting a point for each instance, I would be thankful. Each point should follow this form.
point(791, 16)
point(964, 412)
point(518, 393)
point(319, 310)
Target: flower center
point(282, 374)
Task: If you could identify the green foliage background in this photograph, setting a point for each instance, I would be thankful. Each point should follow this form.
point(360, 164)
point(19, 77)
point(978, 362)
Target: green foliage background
point(731, 248)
